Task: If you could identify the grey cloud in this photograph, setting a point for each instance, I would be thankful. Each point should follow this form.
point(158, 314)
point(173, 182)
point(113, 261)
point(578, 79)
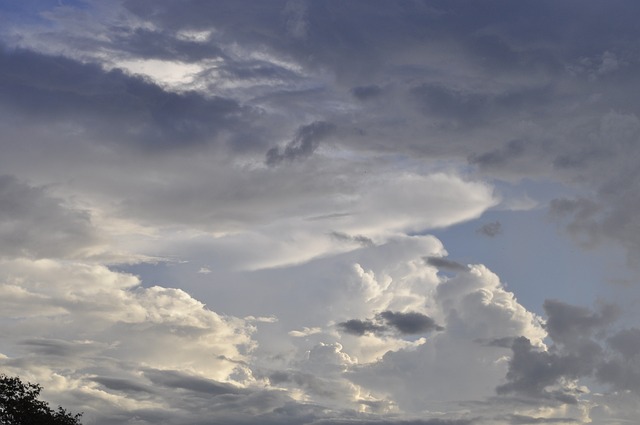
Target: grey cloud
point(620, 374)
point(578, 351)
point(444, 263)
point(532, 372)
point(506, 342)
point(411, 323)
point(513, 149)
point(526, 420)
point(328, 30)
point(58, 347)
point(329, 216)
point(112, 106)
point(458, 108)
point(176, 379)
point(455, 108)
point(122, 384)
point(147, 43)
point(626, 342)
point(366, 92)
point(359, 239)
point(490, 229)
point(306, 141)
point(396, 422)
point(570, 325)
point(622, 369)
point(309, 382)
point(35, 224)
point(361, 327)
point(584, 218)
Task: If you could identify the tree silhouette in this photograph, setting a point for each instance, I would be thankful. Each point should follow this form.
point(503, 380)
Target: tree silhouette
point(19, 405)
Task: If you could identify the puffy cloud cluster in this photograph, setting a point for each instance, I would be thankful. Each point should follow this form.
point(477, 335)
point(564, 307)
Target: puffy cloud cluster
point(104, 338)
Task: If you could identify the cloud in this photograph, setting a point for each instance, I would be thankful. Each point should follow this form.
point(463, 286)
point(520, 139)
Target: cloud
point(115, 317)
point(400, 422)
point(470, 305)
point(301, 150)
point(112, 107)
point(490, 229)
point(35, 224)
point(181, 380)
point(366, 92)
point(306, 141)
point(567, 324)
point(122, 384)
point(359, 239)
point(360, 327)
point(522, 419)
point(533, 371)
point(446, 264)
point(582, 346)
point(410, 323)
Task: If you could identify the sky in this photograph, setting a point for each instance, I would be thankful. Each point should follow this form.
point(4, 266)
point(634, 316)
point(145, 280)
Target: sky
point(330, 212)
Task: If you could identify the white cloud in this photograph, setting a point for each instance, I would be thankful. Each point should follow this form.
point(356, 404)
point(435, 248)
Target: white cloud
point(66, 322)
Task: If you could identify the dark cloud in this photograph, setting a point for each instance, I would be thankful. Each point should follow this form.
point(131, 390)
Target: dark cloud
point(361, 327)
point(571, 325)
point(579, 350)
point(112, 106)
point(454, 108)
point(444, 263)
point(181, 380)
point(306, 141)
point(621, 370)
point(490, 229)
point(359, 239)
point(35, 224)
point(56, 347)
point(157, 44)
point(584, 218)
point(526, 420)
point(506, 342)
point(396, 422)
point(533, 373)
point(366, 92)
point(122, 385)
point(498, 157)
point(626, 342)
point(411, 323)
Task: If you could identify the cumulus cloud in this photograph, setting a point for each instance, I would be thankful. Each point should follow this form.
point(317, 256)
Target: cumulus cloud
point(584, 344)
point(95, 322)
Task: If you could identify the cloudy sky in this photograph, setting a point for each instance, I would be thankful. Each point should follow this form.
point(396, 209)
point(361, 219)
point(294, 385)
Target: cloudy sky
point(322, 212)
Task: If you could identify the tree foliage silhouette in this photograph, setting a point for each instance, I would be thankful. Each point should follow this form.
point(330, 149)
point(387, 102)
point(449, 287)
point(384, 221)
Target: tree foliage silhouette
point(19, 405)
